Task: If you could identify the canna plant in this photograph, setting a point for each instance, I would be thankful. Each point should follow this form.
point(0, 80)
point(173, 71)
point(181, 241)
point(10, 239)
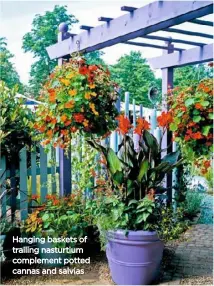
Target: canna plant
point(138, 172)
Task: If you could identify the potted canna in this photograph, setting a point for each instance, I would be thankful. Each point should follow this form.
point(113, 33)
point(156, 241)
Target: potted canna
point(128, 213)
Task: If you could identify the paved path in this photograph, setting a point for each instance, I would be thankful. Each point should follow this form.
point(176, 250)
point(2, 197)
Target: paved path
point(193, 256)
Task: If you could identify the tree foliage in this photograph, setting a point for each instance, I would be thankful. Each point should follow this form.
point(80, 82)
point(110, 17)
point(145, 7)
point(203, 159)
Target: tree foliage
point(186, 76)
point(43, 34)
point(8, 73)
point(133, 74)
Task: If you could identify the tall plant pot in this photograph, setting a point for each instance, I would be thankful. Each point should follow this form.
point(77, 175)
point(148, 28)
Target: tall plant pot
point(134, 259)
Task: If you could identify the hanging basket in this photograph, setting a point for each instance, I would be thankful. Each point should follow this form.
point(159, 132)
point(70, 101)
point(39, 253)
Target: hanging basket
point(192, 112)
point(76, 97)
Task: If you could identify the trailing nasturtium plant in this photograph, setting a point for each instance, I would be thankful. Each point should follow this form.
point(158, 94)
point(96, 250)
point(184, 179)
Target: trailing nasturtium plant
point(191, 110)
point(76, 97)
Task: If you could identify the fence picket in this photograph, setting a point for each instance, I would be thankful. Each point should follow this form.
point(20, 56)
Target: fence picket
point(43, 174)
point(23, 184)
point(2, 186)
point(33, 176)
point(53, 171)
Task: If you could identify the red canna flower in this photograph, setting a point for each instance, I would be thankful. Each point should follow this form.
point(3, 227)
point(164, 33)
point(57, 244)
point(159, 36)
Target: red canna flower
point(142, 125)
point(123, 124)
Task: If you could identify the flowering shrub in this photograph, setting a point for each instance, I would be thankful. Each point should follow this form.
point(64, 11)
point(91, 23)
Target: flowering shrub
point(63, 216)
point(77, 96)
point(191, 112)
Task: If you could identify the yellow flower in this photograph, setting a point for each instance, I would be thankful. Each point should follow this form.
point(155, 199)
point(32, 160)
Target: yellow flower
point(92, 85)
point(93, 93)
point(70, 75)
point(92, 106)
point(65, 81)
point(72, 92)
point(87, 95)
point(85, 122)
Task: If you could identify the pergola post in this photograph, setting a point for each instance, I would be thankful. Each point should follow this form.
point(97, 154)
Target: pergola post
point(167, 82)
point(64, 160)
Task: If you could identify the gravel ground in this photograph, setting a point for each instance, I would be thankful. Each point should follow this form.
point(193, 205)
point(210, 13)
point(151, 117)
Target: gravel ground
point(198, 280)
point(95, 272)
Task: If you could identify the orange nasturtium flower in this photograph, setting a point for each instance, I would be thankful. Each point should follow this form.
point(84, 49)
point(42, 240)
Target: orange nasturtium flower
point(69, 104)
point(72, 92)
point(87, 95)
point(141, 126)
point(78, 117)
point(164, 119)
point(198, 106)
point(63, 118)
point(92, 85)
point(49, 133)
point(35, 197)
point(65, 81)
point(123, 124)
point(64, 132)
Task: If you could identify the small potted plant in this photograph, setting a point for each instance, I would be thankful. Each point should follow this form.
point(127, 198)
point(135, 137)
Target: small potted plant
point(131, 216)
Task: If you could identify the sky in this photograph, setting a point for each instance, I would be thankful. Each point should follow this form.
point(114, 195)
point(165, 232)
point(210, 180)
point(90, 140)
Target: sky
point(16, 18)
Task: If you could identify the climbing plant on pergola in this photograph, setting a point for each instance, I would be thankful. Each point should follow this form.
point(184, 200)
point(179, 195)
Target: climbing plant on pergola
point(141, 23)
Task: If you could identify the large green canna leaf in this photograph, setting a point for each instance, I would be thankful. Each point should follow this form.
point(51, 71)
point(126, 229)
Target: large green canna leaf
point(113, 162)
point(118, 178)
point(143, 169)
point(151, 142)
point(171, 158)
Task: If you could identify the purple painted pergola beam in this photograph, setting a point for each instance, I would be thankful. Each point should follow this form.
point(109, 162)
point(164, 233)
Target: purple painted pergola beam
point(87, 28)
point(105, 19)
point(128, 8)
point(202, 22)
point(187, 57)
point(143, 21)
point(150, 46)
point(172, 40)
point(190, 33)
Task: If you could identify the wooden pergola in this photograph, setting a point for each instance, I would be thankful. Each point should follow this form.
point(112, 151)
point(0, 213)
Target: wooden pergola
point(141, 23)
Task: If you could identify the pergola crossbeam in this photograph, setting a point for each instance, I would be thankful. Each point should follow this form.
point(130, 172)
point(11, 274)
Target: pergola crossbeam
point(190, 33)
point(150, 46)
point(192, 56)
point(128, 8)
point(143, 21)
point(202, 22)
point(87, 28)
point(105, 19)
point(172, 40)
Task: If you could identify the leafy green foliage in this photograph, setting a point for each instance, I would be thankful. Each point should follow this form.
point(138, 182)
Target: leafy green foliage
point(192, 203)
point(133, 74)
point(112, 213)
point(8, 73)
point(61, 217)
point(83, 163)
point(186, 76)
point(43, 34)
point(137, 172)
point(15, 121)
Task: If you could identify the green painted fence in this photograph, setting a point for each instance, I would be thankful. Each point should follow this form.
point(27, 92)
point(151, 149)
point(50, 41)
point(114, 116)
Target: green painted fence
point(41, 178)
